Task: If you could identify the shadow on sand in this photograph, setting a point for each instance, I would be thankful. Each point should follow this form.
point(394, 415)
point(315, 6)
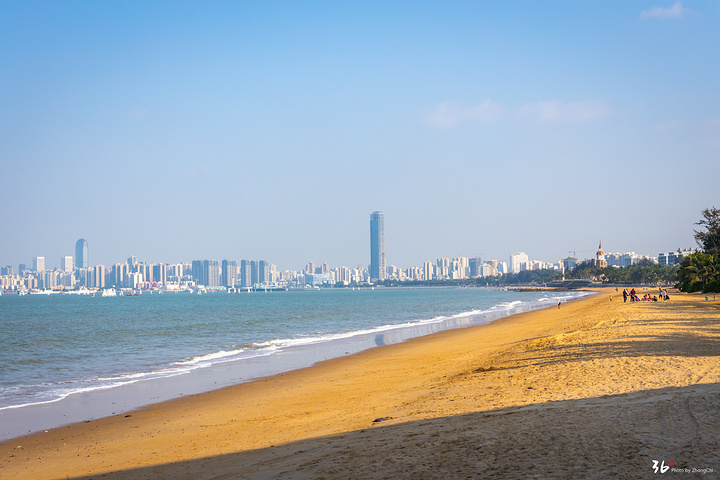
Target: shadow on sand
point(615, 436)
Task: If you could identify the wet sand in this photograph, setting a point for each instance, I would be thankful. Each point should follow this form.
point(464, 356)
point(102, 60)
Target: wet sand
point(595, 389)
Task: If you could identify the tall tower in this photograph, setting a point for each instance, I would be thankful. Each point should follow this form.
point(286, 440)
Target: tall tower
point(600, 257)
point(377, 246)
point(81, 254)
point(39, 264)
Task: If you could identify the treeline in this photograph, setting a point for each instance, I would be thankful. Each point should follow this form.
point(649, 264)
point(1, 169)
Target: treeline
point(645, 272)
point(700, 271)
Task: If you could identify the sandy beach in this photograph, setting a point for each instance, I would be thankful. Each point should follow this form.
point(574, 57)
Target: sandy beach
point(595, 389)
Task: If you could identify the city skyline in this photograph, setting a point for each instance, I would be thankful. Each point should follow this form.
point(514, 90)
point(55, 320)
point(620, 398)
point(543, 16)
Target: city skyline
point(517, 261)
point(242, 130)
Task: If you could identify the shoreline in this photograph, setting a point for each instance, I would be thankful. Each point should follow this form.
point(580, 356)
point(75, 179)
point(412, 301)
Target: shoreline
point(159, 387)
point(587, 359)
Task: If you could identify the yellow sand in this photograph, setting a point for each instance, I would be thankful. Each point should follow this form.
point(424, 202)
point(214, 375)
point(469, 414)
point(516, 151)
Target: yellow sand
point(595, 389)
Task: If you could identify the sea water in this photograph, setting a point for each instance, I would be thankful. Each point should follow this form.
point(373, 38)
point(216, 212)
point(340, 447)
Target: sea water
point(56, 347)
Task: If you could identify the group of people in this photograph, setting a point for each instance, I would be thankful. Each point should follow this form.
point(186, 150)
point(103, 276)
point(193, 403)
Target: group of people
point(646, 298)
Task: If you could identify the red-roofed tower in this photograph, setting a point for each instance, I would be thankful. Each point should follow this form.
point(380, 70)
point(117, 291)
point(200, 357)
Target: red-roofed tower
point(600, 257)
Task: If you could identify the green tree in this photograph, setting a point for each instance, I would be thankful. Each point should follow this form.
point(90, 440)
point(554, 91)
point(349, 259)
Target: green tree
point(709, 240)
point(698, 271)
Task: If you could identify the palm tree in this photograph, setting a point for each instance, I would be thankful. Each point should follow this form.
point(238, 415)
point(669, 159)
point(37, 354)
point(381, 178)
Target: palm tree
point(695, 268)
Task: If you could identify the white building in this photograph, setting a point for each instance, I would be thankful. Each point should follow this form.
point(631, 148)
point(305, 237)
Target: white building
point(518, 262)
point(66, 264)
point(39, 264)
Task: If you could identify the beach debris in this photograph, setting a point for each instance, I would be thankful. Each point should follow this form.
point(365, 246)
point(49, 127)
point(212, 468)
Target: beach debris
point(382, 419)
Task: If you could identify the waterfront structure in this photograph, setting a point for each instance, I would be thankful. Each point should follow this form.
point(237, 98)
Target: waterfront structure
point(81, 254)
point(377, 246)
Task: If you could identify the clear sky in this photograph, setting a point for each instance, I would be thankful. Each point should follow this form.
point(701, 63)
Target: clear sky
point(175, 131)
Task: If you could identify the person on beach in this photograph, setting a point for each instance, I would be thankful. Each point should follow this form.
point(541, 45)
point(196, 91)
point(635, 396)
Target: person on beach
point(632, 295)
point(625, 295)
point(559, 304)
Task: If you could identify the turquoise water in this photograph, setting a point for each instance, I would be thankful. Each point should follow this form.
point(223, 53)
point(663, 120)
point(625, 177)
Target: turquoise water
point(55, 346)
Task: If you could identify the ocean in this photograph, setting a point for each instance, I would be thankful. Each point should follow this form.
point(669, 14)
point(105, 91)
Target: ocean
point(59, 347)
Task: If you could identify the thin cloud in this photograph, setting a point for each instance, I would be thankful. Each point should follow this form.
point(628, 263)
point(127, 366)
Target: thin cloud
point(676, 11)
point(559, 111)
point(448, 114)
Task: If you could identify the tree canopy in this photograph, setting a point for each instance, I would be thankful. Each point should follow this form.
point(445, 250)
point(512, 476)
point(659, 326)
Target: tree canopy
point(701, 270)
point(709, 240)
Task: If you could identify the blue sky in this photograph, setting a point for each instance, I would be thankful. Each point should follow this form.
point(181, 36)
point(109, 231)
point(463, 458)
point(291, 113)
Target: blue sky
point(188, 130)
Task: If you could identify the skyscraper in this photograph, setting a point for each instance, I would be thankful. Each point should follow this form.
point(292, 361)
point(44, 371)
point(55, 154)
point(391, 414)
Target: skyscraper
point(229, 273)
point(81, 254)
point(518, 262)
point(66, 263)
point(245, 273)
point(39, 264)
point(377, 246)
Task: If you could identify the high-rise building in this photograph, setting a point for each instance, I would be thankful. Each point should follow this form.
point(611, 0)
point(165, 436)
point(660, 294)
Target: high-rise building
point(377, 246)
point(206, 272)
point(159, 273)
point(518, 262)
point(66, 263)
point(245, 273)
point(428, 271)
point(98, 276)
point(475, 267)
point(229, 273)
point(212, 273)
point(254, 272)
point(263, 272)
point(81, 254)
point(197, 272)
point(117, 274)
point(39, 264)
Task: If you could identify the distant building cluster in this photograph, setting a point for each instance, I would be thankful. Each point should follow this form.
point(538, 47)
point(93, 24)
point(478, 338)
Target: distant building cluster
point(76, 272)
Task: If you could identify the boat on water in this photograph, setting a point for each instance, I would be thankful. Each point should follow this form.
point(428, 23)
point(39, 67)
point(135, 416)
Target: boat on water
point(109, 292)
point(80, 291)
